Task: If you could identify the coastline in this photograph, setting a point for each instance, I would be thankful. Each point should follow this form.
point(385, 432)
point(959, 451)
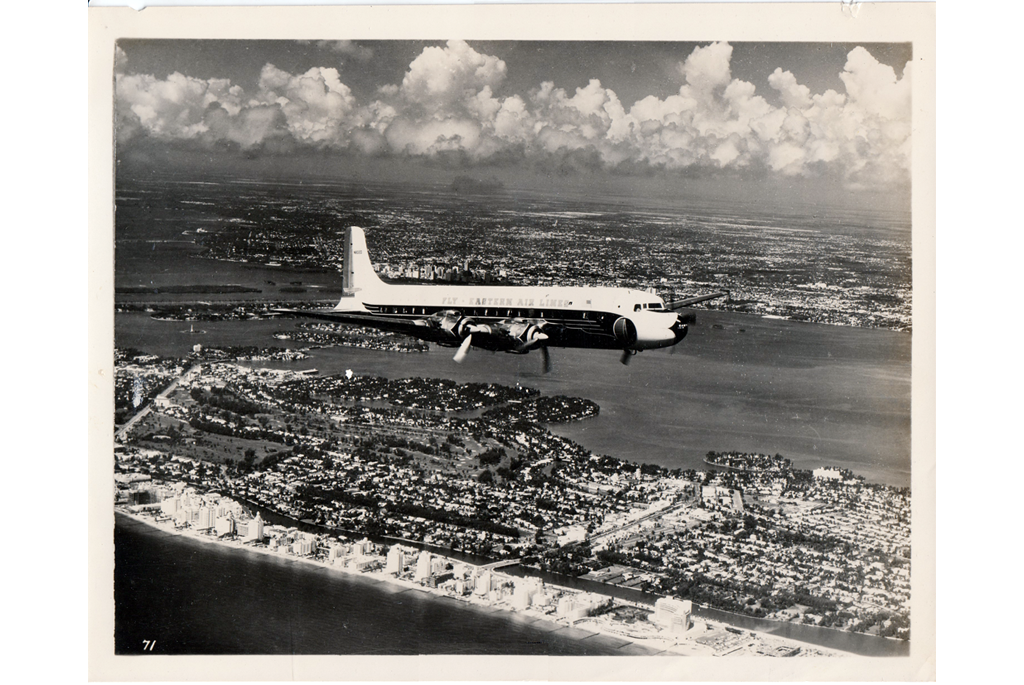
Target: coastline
point(735, 620)
point(580, 629)
point(386, 579)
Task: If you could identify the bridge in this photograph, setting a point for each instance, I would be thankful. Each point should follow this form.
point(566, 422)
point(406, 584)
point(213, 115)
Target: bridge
point(494, 565)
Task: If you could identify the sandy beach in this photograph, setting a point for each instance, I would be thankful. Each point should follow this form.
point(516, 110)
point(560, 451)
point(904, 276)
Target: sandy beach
point(623, 636)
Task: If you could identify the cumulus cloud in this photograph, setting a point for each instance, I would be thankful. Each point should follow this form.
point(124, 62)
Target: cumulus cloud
point(171, 108)
point(707, 68)
point(875, 86)
point(316, 105)
point(451, 101)
point(440, 78)
point(347, 47)
point(793, 94)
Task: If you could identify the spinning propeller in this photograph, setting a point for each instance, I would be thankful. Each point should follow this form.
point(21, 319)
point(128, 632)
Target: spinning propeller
point(522, 342)
point(460, 356)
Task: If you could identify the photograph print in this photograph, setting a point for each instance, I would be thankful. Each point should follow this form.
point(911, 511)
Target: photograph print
point(516, 347)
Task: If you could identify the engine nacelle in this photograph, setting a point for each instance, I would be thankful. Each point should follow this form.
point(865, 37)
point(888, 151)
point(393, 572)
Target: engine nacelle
point(454, 324)
point(645, 331)
point(520, 335)
point(625, 331)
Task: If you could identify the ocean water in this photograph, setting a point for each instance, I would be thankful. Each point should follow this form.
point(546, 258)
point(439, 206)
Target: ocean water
point(192, 597)
point(196, 598)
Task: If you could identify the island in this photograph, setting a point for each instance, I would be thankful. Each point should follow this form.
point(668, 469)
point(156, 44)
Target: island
point(473, 469)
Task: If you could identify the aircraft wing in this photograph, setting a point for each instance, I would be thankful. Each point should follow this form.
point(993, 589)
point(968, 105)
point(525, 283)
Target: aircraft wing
point(679, 304)
point(413, 327)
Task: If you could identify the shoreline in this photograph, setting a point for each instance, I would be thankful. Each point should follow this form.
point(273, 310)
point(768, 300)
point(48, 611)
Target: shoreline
point(580, 629)
point(531, 570)
point(383, 578)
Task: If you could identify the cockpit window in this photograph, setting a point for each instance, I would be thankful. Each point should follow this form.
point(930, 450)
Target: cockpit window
point(636, 308)
point(655, 305)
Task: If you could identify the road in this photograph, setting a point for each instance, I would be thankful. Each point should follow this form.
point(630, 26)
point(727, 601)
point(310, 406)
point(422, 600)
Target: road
point(120, 434)
point(646, 517)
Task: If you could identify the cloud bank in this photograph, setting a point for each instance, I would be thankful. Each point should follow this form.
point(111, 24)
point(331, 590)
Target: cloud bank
point(446, 107)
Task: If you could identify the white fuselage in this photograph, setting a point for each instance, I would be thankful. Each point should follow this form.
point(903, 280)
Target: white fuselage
point(599, 317)
point(592, 310)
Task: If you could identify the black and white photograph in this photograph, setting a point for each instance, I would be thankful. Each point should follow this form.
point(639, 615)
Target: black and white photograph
point(523, 347)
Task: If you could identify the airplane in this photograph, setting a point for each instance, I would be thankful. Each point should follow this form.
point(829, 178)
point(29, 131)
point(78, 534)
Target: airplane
point(513, 319)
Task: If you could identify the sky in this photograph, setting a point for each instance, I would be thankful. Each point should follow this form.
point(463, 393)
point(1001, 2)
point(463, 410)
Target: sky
point(808, 117)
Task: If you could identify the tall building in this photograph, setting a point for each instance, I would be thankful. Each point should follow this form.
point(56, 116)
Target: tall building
point(225, 525)
point(483, 583)
point(575, 607)
point(565, 606)
point(396, 561)
point(423, 567)
point(255, 529)
point(673, 614)
point(205, 520)
point(521, 595)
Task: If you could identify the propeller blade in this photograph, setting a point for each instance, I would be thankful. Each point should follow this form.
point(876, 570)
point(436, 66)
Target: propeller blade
point(547, 358)
point(626, 356)
point(463, 349)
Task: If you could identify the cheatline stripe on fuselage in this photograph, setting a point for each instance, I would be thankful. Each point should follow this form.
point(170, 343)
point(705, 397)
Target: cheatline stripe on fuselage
point(590, 321)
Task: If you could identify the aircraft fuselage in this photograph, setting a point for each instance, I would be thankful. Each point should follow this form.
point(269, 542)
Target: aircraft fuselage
point(515, 319)
point(572, 316)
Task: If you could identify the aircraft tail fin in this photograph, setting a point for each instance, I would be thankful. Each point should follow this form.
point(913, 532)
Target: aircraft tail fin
point(358, 273)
